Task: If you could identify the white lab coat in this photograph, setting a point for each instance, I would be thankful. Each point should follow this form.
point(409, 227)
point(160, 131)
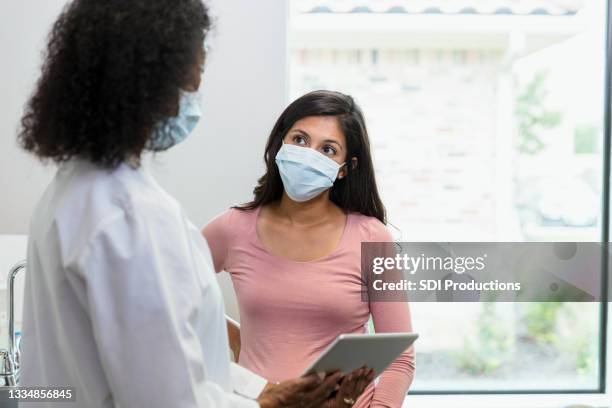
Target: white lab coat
point(121, 299)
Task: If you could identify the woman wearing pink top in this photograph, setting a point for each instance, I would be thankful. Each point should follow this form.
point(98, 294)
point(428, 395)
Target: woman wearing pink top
point(294, 251)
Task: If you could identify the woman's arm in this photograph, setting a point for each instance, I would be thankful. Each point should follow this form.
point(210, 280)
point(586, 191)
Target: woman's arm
point(233, 334)
point(395, 381)
point(389, 317)
point(141, 305)
point(218, 235)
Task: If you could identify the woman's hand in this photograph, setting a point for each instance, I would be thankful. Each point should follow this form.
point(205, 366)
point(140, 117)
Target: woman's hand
point(351, 387)
point(305, 392)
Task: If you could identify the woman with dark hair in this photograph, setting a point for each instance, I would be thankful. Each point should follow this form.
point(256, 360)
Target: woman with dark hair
point(121, 302)
point(294, 251)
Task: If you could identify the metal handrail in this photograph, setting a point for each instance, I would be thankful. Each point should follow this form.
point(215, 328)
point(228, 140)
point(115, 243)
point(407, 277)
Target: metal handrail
point(10, 359)
point(13, 346)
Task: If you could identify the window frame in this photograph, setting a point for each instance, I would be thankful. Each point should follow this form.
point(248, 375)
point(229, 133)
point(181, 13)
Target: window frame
point(600, 396)
point(603, 393)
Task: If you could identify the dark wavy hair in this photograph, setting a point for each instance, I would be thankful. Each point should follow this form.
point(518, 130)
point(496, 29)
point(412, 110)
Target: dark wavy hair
point(112, 70)
point(357, 191)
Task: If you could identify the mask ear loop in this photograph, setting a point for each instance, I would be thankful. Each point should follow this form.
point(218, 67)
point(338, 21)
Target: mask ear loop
point(340, 168)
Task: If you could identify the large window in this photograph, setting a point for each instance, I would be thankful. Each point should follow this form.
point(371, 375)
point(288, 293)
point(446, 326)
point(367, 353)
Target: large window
point(486, 120)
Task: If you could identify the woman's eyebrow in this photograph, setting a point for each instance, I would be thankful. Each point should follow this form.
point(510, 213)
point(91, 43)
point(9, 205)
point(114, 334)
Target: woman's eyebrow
point(301, 132)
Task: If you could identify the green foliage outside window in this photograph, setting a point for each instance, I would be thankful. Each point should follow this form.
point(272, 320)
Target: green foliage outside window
point(488, 352)
point(533, 117)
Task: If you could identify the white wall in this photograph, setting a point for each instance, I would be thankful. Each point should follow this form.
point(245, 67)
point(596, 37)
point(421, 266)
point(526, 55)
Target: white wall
point(22, 35)
point(244, 92)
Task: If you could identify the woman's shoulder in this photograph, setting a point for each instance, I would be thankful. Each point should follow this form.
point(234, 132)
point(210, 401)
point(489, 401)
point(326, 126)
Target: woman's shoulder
point(370, 229)
point(233, 220)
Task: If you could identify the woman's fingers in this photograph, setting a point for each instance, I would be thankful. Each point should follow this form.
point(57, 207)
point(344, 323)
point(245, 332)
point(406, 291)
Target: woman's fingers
point(310, 391)
point(364, 380)
point(351, 386)
point(293, 391)
point(354, 384)
point(316, 397)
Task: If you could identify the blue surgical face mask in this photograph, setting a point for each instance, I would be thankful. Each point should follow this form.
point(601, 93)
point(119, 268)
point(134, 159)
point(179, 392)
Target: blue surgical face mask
point(305, 172)
point(174, 130)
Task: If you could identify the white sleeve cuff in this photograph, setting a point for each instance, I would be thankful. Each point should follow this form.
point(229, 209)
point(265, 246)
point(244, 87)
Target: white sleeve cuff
point(245, 382)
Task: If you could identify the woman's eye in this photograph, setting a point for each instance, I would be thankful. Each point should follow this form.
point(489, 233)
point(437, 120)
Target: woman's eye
point(299, 140)
point(328, 150)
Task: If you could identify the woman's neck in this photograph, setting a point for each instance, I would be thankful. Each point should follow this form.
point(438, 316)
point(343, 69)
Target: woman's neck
point(314, 211)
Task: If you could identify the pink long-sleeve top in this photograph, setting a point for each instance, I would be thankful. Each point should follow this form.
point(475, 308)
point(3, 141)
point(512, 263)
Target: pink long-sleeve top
point(290, 311)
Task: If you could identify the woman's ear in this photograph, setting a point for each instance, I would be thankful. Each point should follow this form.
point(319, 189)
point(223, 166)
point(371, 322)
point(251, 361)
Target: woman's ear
point(342, 172)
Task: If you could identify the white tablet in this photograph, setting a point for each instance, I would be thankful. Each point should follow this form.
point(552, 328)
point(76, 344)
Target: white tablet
point(352, 351)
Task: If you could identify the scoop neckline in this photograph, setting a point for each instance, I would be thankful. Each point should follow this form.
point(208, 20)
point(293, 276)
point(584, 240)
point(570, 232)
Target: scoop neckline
point(341, 242)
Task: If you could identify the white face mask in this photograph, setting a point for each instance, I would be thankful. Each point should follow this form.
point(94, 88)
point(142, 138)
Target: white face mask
point(174, 130)
point(305, 172)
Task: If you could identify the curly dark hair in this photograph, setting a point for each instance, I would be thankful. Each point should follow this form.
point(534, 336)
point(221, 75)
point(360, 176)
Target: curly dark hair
point(112, 70)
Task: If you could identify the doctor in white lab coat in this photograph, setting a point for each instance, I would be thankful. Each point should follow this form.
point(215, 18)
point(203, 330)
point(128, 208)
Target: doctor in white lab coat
point(121, 300)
